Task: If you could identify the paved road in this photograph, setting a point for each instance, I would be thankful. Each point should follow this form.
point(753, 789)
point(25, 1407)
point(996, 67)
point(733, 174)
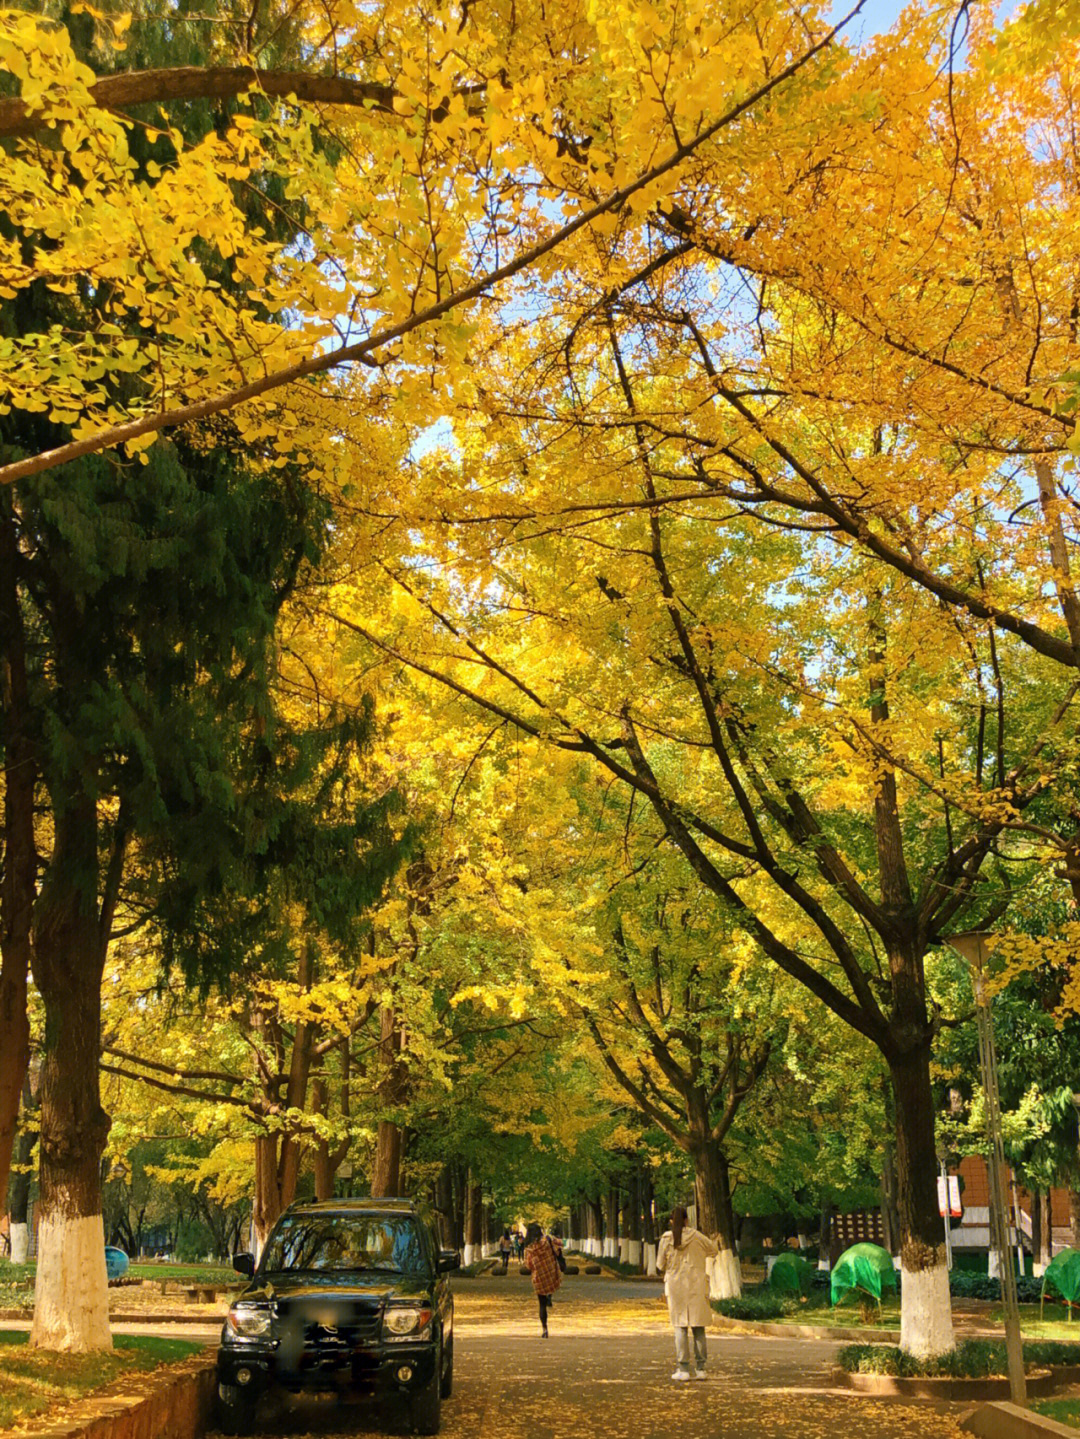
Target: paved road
point(605, 1373)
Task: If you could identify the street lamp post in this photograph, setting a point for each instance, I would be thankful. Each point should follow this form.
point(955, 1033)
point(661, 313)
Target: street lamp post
point(971, 946)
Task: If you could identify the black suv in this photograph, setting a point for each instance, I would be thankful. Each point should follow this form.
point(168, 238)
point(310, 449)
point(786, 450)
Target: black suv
point(348, 1293)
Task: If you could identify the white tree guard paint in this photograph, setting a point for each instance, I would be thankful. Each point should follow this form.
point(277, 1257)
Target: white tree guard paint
point(471, 1255)
point(624, 1245)
point(725, 1275)
point(20, 1243)
point(650, 1259)
point(1037, 1269)
point(824, 1265)
point(633, 1252)
point(611, 1250)
point(71, 1295)
point(926, 1326)
point(993, 1265)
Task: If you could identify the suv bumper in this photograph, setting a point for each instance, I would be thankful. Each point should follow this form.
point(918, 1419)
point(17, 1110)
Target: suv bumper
point(382, 1369)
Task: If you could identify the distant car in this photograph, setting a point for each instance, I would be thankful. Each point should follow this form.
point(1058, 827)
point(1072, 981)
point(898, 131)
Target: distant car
point(348, 1293)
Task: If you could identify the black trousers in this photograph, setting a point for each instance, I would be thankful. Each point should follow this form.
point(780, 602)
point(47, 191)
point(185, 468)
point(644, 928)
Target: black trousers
point(545, 1303)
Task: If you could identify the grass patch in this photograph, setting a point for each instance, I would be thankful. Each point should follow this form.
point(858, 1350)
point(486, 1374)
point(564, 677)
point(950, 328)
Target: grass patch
point(33, 1380)
point(16, 1286)
point(1065, 1411)
point(971, 1359)
point(1054, 1324)
point(186, 1273)
point(765, 1305)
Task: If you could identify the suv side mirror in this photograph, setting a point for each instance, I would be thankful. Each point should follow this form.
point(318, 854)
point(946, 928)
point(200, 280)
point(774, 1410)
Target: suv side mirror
point(448, 1259)
point(244, 1264)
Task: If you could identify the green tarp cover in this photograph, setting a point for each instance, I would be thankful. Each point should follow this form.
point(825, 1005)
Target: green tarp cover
point(865, 1267)
point(1063, 1275)
point(791, 1275)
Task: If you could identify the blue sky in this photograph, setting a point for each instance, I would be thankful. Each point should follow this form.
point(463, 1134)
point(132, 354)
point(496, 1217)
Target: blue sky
point(878, 15)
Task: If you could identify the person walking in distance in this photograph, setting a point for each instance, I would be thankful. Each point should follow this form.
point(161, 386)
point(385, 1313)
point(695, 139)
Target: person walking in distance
point(542, 1261)
point(681, 1258)
point(506, 1247)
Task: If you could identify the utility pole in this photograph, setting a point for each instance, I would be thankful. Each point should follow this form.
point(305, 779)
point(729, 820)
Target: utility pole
point(971, 946)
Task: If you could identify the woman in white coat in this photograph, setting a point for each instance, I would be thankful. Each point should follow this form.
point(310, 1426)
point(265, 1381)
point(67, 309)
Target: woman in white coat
point(681, 1260)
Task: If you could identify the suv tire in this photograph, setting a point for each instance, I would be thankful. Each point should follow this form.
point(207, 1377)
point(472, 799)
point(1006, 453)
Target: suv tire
point(234, 1410)
point(446, 1385)
point(426, 1404)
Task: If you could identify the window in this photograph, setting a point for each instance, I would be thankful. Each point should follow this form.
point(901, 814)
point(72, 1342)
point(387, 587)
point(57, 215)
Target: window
point(347, 1243)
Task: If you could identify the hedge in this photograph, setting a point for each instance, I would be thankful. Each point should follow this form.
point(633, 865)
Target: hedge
point(760, 1303)
point(971, 1359)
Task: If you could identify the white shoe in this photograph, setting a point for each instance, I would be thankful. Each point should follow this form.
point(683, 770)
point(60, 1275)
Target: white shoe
point(701, 1374)
point(681, 1376)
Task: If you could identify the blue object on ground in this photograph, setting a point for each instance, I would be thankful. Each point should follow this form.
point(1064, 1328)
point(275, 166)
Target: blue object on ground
point(116, 1262)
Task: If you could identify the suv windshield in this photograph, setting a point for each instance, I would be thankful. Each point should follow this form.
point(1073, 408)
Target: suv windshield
point(347, 1242)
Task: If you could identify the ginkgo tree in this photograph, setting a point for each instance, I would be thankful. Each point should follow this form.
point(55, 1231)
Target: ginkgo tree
point(433, 156)
point(783, 715)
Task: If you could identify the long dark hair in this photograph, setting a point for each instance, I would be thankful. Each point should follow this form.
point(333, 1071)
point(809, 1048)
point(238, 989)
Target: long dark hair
point(534, 1232)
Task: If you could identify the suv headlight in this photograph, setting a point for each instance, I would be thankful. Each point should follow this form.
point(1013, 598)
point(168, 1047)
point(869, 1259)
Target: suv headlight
point(407, 1321)
point(249, 1323)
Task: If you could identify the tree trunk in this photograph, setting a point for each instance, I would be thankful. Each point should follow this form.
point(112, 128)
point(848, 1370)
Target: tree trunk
point(926, 1309)
point(71, 1303)
point(22, 1174)
point(461, 1185)
point(386, 1170)
point(594, 1217)
point(1074, 1218)
point(825, 1236)
point(444, 1208)
point(1042, 1229)
point(712, 1195)
point(328, 1161)
point(18, 882)
point(890, 1218)
point(611, 1224)
point(649, 1227)
point(474, 1221)
point(633, 1220)
point(266, 1205)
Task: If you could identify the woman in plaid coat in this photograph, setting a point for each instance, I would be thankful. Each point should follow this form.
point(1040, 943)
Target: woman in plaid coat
point(542, 1261)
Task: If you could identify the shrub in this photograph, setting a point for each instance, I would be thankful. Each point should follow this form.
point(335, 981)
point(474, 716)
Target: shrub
point(761, 1303)
point(971, 1359)
point(966, 1284)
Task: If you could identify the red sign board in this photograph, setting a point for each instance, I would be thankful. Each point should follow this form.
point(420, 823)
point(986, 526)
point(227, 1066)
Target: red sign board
point(948, 1197)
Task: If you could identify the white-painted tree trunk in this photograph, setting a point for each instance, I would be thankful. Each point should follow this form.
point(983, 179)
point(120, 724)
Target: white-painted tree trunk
point(623, 1249)
point(1037, 1269)
point(20, 1243)
point(610, 1248)
point(471, 1254)
point(633, 1252)
point(71, 1296)
point(650, 1259)
point(824, 1265)
point(926, 1327)
point(725, 1275)
point(993, 1265)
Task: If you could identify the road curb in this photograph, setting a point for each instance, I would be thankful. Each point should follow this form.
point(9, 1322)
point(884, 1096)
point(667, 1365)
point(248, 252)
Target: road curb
point(179, 1406)
point(893, 1386)
point(807, 1331)
point(24, 1316)
point(1009, 1421)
